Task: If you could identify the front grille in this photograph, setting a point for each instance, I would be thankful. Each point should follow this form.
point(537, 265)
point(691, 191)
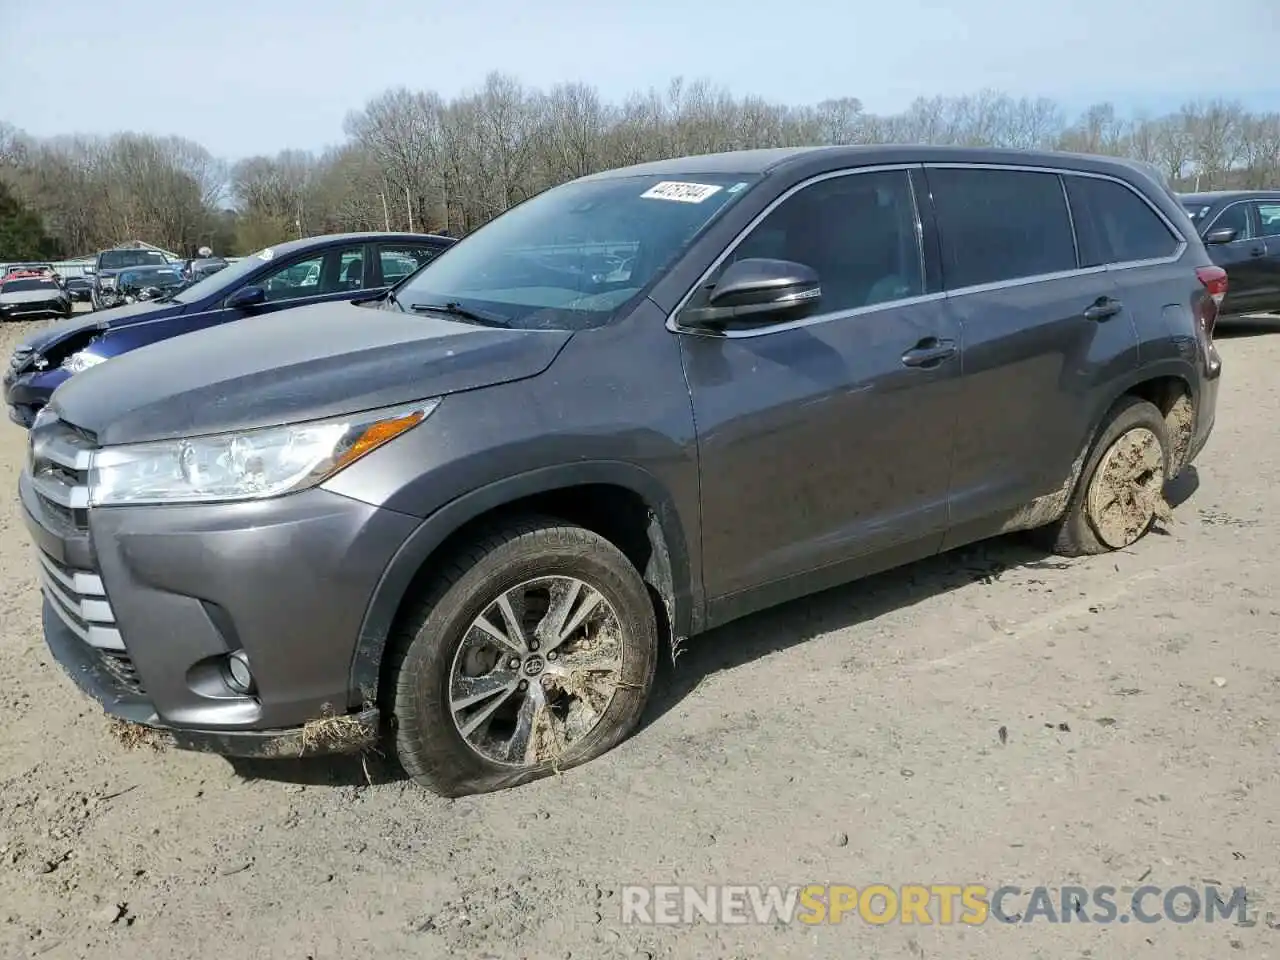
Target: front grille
point(59, 463)
point(58, 460)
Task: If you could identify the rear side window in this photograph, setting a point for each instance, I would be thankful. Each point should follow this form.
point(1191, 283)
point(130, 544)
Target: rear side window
point(1115, 225)
point(1000, 225)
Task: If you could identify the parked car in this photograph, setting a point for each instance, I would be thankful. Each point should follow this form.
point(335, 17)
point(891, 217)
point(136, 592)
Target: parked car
point(31, 296)
point(636, 406)
point(80, 289)
point(346, 267)
point(1242, 232)
point(107, 267)
point(148, 283)
point(202, 267)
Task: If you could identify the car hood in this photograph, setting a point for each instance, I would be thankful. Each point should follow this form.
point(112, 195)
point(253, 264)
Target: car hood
point(302, 364)
point(98, 320)
point(30, 296)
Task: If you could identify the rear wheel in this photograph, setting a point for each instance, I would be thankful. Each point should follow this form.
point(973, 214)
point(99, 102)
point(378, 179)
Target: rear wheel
point(534, 652)
point(1120, 492)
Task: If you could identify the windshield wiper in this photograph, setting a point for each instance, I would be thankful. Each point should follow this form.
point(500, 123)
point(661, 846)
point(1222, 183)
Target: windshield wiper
point(455, 309)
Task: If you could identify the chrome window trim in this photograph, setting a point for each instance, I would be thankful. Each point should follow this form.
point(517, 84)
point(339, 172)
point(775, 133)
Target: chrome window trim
point(1061, 172)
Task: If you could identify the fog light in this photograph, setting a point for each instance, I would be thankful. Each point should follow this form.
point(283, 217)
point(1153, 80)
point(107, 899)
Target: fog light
point(239, 677)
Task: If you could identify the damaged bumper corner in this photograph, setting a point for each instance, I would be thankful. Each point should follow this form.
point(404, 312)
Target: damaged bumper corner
point(324, 736)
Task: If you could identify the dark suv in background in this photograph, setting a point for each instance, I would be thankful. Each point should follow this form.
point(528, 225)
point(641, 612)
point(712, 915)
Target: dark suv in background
point(313, 270)
point(634, 407)
point(107, 266)
point(1242, 232)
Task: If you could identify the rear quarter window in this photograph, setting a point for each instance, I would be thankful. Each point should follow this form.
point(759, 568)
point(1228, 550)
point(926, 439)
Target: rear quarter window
point(1000, 225)
point(1115, 225)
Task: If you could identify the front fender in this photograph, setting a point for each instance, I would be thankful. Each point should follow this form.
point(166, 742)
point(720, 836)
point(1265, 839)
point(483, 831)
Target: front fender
point(668, 570)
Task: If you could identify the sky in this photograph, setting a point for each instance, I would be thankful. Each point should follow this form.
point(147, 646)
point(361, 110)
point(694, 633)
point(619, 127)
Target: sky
point(257, 77)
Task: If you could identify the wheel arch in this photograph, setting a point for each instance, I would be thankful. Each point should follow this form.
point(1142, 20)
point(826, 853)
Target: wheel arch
point(621, 501)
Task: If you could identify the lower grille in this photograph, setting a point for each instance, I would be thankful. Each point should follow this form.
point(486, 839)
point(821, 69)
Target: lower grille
point(80, 601)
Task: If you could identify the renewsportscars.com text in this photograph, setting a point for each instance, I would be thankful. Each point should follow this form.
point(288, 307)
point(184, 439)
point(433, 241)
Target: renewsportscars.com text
point(934, 904)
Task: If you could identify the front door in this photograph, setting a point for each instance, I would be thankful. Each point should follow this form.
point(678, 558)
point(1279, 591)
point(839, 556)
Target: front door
point(827, 439)
point(1244, 258)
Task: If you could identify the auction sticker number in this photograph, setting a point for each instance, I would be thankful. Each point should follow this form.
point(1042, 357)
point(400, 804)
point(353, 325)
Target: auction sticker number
point(680, 192)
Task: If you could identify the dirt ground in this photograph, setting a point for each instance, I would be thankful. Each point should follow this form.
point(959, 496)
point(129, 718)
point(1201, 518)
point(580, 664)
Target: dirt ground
point(854, 738)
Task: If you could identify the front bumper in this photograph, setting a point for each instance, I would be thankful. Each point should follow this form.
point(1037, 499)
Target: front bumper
point(142, 605)
point(36, 311)
point(27, 392)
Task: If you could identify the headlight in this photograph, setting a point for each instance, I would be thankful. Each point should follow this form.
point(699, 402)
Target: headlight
point(81, 361)
point(107, 283)
point(129, 298)
point(248, 465)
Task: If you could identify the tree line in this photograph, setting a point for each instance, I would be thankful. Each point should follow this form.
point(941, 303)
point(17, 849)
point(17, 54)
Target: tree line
point(412, 159)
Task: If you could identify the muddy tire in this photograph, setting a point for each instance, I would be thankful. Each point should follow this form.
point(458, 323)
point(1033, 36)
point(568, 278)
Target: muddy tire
point(534, 651)
point(1120, 492)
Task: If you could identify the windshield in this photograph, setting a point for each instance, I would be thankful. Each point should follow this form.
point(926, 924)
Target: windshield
point(18, 286)
point(162, 277)
point(571, 257)
point(115, 259)
point(1196, 211)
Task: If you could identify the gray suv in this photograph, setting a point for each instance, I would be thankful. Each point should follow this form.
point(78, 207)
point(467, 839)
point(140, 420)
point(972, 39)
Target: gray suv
point(465, 518)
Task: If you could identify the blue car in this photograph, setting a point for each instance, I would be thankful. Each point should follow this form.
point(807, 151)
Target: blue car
point(350, 266)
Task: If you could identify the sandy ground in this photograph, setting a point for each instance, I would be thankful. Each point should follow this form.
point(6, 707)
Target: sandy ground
point(853, 738)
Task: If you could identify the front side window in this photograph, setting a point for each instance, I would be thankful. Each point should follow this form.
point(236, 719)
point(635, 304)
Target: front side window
point(332, 271)
point(1000, 225)
point(1115, 225)
point(858, 231)
point(572, 257)
point(1236, 217)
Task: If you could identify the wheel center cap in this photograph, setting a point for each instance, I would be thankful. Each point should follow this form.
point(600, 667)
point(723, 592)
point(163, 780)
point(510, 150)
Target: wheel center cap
point(534, 665)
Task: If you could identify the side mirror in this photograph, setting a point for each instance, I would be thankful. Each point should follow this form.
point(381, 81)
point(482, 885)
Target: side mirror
point(246, 298)
point(758, 291)
point(1221, 235)
point(91, 270)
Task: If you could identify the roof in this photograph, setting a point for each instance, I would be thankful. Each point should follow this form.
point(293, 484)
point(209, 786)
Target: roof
point(765, 161)
point(1213, 196)
point(306, 243)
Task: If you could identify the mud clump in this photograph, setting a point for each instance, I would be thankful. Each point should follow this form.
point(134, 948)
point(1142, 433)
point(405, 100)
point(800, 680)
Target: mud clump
point(132, 736)
point(1181, 421)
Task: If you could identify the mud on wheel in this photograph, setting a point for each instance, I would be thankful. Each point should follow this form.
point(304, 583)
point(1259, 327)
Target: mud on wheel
point(534, 652)
point(1120, 493)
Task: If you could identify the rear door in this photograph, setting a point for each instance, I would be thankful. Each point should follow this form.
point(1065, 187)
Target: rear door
point(1031, 352)
point(1244, 257)
point(1268, 212)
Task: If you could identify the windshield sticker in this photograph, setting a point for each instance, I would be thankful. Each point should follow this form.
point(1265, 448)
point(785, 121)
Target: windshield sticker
point(680, 192)
point(266, 254)
point(737, 187)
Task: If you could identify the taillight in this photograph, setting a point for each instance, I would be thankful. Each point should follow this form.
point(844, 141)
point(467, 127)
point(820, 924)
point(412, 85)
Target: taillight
point(1214, 280)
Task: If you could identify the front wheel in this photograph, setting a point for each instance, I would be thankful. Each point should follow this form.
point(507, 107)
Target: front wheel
point(535, 652)
point(1120, 493)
